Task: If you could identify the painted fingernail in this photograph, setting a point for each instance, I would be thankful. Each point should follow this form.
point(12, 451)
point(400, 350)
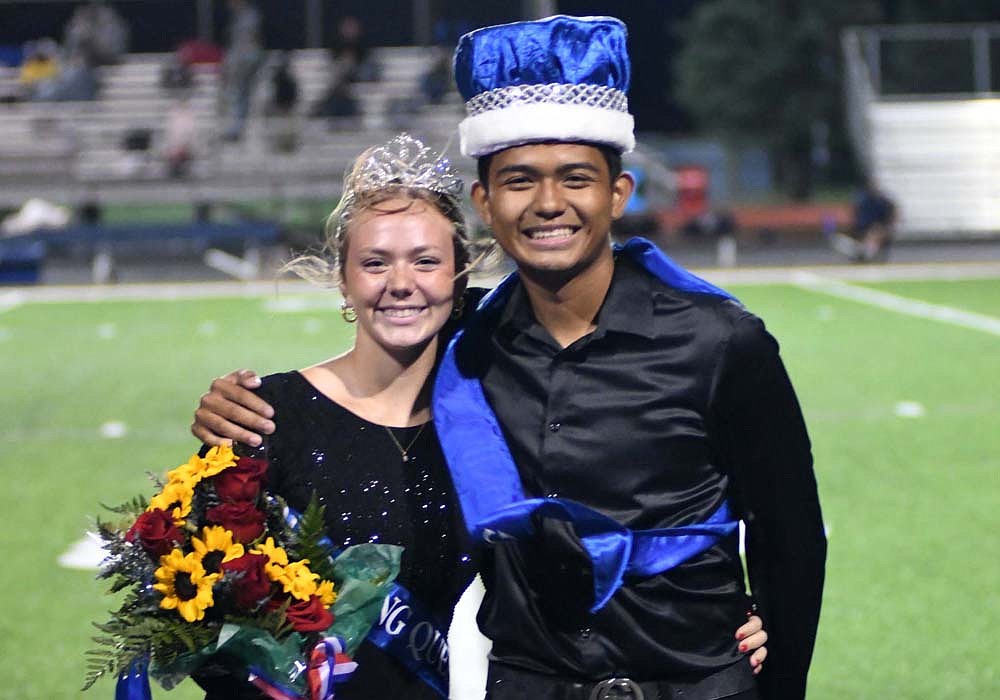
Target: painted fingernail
point(743, 647)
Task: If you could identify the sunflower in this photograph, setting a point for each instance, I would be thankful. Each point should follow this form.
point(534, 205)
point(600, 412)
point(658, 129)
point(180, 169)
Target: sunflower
point(175, 498)
point(277, 558)
point(217, 459)
point(298, 581)
point(197, 468)
point(184, 474)
point(216, 546)
point(325, 592)
point(185, 585)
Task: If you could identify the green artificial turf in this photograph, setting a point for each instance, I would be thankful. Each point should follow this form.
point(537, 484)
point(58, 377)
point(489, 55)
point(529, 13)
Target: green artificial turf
point(910, 501)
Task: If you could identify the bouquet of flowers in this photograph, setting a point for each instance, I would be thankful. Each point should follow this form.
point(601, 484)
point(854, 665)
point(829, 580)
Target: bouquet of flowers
point(220, 577)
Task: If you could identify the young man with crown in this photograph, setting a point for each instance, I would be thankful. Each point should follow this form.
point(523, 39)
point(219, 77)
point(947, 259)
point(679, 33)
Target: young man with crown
point(608, 417)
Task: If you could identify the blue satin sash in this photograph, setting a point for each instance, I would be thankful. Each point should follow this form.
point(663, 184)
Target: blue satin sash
point(406, 631)
point(488, 485)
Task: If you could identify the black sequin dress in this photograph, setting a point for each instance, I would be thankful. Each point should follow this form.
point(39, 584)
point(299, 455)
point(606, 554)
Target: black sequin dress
point(371, 495)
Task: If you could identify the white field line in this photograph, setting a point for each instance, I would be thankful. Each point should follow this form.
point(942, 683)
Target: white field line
point(160, 292)
point(854, 273)
point(898, 304)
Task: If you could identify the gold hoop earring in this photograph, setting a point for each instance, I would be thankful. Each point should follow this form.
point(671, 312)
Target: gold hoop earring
point(348, 312)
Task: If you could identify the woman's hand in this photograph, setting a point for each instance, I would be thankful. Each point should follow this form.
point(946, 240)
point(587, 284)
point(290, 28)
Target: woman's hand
point(752, 637)
point(230, 411)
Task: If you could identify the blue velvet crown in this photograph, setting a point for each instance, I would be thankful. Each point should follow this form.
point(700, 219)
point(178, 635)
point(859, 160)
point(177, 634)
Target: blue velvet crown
point(562, 78)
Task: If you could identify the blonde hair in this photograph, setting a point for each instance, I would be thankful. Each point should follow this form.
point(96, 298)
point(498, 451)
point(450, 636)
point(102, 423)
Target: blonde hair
point(402, 169)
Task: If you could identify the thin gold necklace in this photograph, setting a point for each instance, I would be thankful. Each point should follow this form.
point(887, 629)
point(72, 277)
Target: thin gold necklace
point(404, 451)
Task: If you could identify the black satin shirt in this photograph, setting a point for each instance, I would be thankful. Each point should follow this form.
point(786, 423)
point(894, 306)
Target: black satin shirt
point(676, 402)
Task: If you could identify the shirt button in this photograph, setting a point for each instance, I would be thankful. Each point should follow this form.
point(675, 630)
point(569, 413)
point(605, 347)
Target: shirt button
point(554, 427)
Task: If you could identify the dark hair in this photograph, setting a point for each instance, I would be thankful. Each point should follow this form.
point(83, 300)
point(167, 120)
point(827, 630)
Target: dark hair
point(611, 156)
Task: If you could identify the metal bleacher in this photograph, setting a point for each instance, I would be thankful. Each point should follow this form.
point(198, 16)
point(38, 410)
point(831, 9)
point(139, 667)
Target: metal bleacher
point(937, 154)
point(72, 152)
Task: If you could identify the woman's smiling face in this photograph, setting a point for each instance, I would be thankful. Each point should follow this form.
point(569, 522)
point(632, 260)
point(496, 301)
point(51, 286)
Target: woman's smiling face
point(399, 273)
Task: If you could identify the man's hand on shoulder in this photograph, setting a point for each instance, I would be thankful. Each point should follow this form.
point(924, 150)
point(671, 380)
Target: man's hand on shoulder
point(230, 411)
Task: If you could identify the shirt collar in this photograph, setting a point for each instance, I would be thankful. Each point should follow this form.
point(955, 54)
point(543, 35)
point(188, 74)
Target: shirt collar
point(627, 308)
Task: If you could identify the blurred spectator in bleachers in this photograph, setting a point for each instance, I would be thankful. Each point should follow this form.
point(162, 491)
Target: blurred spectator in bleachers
point(241, 65)
point(338, 104)
point(282, 122)
point(77, 82)
point(134, 156)
point(435, 83)
point(41, 65)
point(284, 86)
point(176, 74)
point(97, 32)
point(351, 53)
point(180, 137)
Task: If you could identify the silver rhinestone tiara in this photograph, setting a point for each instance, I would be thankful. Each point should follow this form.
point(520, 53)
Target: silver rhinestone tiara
point(405, 162)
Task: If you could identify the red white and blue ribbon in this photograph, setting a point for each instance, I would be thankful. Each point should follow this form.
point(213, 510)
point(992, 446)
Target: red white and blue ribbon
point(270, 687)
point(329, 665)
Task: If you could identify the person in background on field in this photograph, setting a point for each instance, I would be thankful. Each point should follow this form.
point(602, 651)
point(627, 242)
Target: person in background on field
point(872, 229)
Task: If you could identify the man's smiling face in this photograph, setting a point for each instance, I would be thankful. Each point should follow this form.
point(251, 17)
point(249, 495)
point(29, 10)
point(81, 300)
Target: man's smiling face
point(551, 205)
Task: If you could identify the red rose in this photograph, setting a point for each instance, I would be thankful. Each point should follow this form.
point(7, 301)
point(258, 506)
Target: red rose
point(156, 532)
point(243, 481)
point(253, 585)
point(241, 517)
point(309, 615)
